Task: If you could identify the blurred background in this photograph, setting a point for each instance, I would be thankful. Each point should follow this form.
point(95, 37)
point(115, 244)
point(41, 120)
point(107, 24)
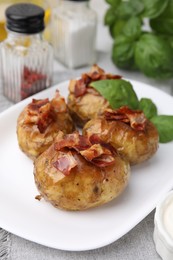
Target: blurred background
point(134, 37)
point(48, 5)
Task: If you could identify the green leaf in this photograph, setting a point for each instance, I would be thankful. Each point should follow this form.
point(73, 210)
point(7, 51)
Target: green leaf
point(110, 17)
point(113, 2)
point(123, 53)
point(154, 56)
point(118, 92)
point(164, 125)
point(153, 8)
point(148, 107)
point(126, 9)
point(117, 28)
point(164, 22)
point(132, 28)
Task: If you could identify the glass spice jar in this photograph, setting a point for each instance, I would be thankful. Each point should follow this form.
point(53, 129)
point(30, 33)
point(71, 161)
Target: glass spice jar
point(74, 33)
point(26, 60)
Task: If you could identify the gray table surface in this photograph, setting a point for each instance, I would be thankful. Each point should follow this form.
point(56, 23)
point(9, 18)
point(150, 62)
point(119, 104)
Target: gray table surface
point(137, 244)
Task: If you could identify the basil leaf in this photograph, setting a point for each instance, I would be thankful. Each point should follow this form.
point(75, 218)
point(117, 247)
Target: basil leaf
point(154, 8)
point(164, 125)
point(164, 22)
point(110, 17)
point(132, 28)
point(128, 8)
point(148, 107)
point(117, 28)
point(118, 92)
point(153, 56)
point(123, 53)
point(113, 2)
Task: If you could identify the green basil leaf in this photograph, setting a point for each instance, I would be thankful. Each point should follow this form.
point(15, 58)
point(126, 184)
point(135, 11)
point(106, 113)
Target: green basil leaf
point(164, 125)
point(123, 53)
point(132, 28)
point(118, 92)
point(153, 56)
point(110, 17)
point(153, 8)
point(117, 28)
point(148, 107)
point(164, 22)
point(126, 9)
point(113, 2)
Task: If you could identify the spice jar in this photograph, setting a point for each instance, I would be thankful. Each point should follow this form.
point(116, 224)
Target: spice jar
point(26, 59)
point(74, 33)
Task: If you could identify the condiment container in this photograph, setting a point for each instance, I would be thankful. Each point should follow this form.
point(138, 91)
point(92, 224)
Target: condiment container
point(74, 33)
point(26, 60)
point(163, 231)
point(4, 4)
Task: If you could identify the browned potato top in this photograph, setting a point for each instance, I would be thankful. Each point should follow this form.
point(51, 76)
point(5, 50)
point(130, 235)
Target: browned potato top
point(84, 101)
point(134, 144)
point(39, 123)
point(85, 185)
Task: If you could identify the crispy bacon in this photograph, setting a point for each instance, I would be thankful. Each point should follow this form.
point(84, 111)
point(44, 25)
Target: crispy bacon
point(65, 163)
point(99, 154)
point(135, 118)
point(103, 160)
point(82, 85)
point(58, 103)
point(45, 117)
point(42, 112)
point(37, 104)
point(80, 88)
point(39, 113)
point(74, 140)
point(94, 139)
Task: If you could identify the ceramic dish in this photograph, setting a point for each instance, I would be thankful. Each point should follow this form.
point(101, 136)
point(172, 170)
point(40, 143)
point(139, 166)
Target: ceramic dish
point(40, 222)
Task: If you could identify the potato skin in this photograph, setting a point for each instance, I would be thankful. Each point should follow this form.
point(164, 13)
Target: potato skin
point(32, 142)
point(85, 107)
point(134, 146)
point(85, 187)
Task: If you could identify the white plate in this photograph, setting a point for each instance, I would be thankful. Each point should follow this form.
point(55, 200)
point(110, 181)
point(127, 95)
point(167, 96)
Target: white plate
point(40, 222)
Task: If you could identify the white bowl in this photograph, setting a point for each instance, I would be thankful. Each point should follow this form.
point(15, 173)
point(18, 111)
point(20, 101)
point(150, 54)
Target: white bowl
point(162, 238)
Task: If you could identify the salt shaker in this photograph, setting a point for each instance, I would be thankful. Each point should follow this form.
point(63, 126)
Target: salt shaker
point(74, 33)
point(26, 60)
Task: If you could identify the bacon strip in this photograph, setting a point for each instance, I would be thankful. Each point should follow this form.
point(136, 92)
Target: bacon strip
point(80, 88)
point(99, 154)
point(135, 118)
point(65, 163)
point(42, 112)
point(74, 140)
point(82, 85)
point(58, 103)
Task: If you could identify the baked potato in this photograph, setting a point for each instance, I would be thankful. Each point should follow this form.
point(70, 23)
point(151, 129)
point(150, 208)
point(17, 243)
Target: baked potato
point(39, 123)
point(85, 102)
point(133, 136)
point(73, 174)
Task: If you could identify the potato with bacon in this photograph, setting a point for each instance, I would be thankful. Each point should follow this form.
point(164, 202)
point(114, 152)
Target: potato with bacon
point(75, 174)
point(84, 101)
point(133, 136)
point(39, 123)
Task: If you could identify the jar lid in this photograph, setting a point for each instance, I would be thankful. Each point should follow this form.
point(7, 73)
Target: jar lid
point(25, 18)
